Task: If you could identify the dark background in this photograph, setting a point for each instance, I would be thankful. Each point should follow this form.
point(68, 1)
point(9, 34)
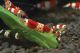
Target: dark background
point(60, 2)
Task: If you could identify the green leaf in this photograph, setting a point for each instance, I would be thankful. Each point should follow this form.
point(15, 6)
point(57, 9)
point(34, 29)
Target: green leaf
point(47, 40)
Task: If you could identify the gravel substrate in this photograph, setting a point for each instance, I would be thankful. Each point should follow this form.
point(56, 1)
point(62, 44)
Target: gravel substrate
point(70, 41)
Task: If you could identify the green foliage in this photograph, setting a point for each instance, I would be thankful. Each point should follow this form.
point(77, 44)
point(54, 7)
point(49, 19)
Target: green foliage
point(47, 40)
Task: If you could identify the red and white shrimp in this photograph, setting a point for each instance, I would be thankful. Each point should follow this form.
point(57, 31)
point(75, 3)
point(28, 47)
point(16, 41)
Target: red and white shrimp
point(14, 9)
point(45, 5)
point(74, 5)
point(44, 28)
point(18, 11)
